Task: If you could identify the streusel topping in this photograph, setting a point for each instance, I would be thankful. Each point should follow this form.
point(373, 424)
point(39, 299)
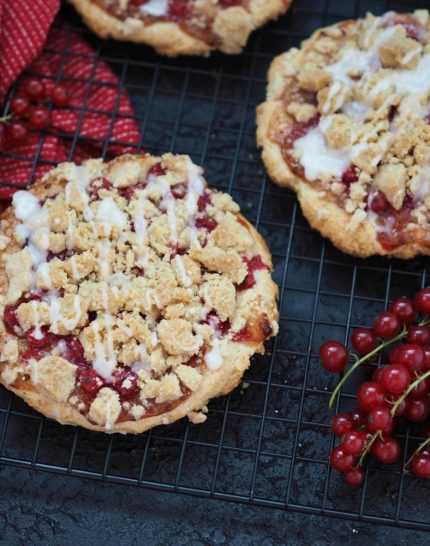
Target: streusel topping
point(358, 94)
point(129, 285)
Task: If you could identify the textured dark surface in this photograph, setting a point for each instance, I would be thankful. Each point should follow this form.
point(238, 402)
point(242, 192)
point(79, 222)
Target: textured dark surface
point(266, 444)
point(37, 509)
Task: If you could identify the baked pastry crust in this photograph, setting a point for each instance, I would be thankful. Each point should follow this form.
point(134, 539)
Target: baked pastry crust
point(55, 388)
point(315, 89)
point(228, 32)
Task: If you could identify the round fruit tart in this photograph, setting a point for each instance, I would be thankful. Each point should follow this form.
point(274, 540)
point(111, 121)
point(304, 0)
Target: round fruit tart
point(132, 293)
point(346, 124)
point(180, 27)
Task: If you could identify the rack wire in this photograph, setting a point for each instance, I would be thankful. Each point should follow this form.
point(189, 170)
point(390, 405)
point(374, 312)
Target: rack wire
point(267, 443)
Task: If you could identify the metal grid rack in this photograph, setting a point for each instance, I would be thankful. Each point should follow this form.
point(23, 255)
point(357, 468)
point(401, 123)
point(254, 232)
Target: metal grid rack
point(267, 443)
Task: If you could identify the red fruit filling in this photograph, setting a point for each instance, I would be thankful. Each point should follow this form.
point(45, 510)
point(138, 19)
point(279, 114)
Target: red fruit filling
point(179, 191)
point(204, 201)
point(11, 320)
point(254, 264)
point(128, 193)
point(74, 351)
point(125, 383)
point(221, 328)
point(206, 223)
point(156, 170)
point(99, 184)
point(39, 339)
point(179, 9)
point(90, 381)
point(350, 176)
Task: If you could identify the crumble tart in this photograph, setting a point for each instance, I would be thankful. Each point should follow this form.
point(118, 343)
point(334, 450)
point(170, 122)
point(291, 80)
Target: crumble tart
point(346, 125)
point(180, 27)
point(131, 293)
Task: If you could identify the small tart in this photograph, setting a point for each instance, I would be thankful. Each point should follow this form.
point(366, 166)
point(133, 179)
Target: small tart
point(346, 124)
point(180, 27)
point(131, 293)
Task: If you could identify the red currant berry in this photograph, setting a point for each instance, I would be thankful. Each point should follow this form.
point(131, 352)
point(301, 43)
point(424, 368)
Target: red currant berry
point(39, 339)
point(386, 450)
point(410, 355)
point(354, 476)
point(379, 418)
point(358, 417)
point(19, 106)
point(402, 407)
point(422, 389)
point(35, 89)
point(386, 325)
point(90, 381)
point(369, 395)
point(2, 136)
point(421, 465)
point(39, 117)
point(59, 95)
point(334, 356)
point(419, 335)
point(354, 442)
point(341, 424)
point(363, 341)
point(340, 460)
point(17, 132)
point(377, 374)
point(426, 350)
point(418, 409)
point(396, 378)
point(404, 309)
point(422, 301)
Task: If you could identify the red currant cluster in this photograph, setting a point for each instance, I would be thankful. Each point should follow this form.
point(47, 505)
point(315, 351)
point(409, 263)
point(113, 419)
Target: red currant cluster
point(400, 388)
point(30, 110)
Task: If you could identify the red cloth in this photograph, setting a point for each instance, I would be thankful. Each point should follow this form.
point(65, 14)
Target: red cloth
point(24, 25)
point(98, 110)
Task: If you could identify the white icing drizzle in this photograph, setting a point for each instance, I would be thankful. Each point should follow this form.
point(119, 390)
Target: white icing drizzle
point(37, 332)
point(185, 279)
point(168, 203)
point(56, 317)
point(103, 364)
point(156, 8)
point(109, 216)
point(317, 158)
point(35, 225)
point(43, 269)
point(196, 187)
point(213, 358)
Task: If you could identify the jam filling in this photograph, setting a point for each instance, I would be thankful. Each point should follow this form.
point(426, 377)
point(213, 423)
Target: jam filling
point(35, 345)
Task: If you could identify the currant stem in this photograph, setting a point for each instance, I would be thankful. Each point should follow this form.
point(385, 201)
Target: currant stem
point(361, 361)
point(408, 391)
point(5, 119)
point(418, 450)
point(369, 444)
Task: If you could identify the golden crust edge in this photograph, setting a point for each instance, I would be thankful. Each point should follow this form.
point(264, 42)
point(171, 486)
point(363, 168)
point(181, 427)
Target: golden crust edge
point(215, 383)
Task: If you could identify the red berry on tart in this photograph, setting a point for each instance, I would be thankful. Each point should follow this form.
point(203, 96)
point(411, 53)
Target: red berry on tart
point(132, 293)
point(346, 125)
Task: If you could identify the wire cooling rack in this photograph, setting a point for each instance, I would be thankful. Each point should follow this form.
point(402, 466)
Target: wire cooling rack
point(267, 443)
